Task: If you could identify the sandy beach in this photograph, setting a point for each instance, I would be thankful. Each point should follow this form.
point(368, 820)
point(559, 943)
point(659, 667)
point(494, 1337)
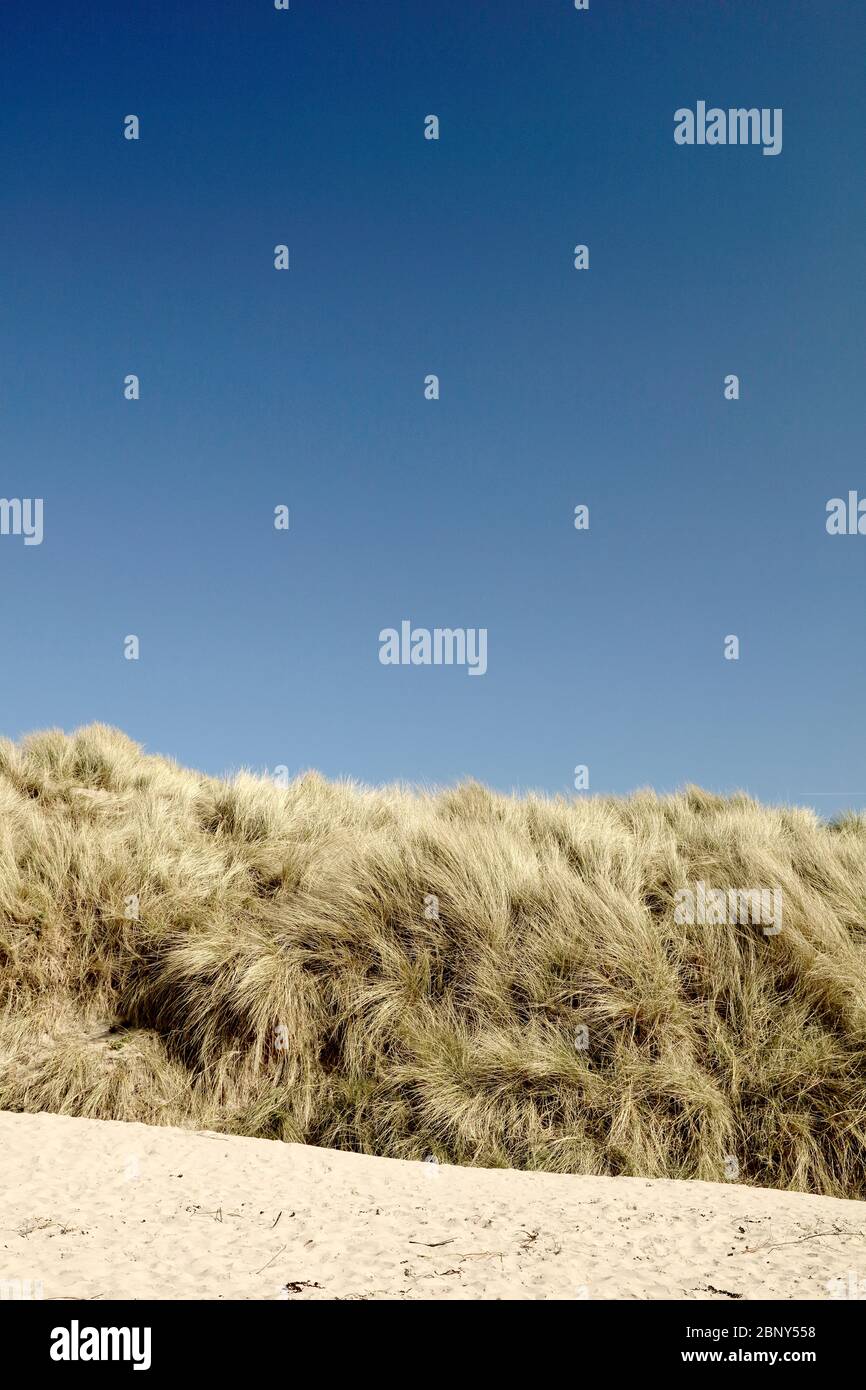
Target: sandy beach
point(95, 1209)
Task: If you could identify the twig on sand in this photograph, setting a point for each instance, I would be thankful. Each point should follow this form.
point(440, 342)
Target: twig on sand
point(815, 1235)
point(270, 1262)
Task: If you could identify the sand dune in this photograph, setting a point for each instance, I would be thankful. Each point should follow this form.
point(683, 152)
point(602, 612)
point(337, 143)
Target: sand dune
point(102, 1209)
point(501, 981)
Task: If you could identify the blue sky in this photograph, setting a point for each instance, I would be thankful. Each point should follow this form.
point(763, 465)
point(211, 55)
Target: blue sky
point(558, 387)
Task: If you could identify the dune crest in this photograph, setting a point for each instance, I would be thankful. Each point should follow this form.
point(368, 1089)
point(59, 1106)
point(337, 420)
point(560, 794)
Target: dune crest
point(583, 985)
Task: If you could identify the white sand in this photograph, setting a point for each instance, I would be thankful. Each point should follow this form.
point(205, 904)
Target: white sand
point(99, 1209)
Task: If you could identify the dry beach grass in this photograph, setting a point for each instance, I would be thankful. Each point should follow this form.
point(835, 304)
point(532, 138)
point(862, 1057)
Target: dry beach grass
point(283, 980)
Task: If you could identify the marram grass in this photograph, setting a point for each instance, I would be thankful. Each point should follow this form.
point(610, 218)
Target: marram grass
point(290, 974)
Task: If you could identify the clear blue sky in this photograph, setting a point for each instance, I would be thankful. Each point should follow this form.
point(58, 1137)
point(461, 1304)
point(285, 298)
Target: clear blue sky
point(558, 387)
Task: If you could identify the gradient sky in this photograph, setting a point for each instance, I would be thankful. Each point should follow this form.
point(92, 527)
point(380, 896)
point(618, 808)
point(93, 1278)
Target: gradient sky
point(558, 387)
